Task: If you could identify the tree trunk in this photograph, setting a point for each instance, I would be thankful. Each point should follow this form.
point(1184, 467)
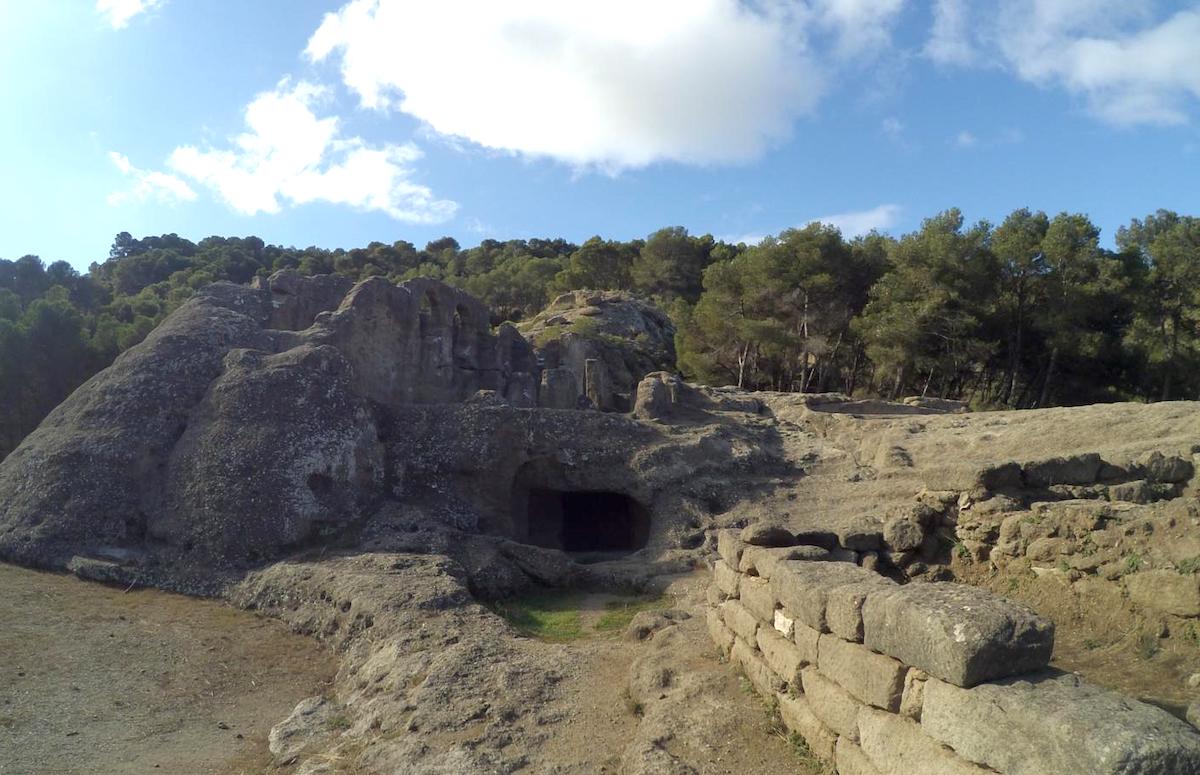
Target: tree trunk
point(928, 379)
point(1049, 378)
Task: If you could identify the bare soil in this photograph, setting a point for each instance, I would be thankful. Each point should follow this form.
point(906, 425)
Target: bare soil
point(101, 680)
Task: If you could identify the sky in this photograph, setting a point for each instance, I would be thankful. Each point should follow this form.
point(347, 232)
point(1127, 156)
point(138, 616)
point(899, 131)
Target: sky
point(339, 123)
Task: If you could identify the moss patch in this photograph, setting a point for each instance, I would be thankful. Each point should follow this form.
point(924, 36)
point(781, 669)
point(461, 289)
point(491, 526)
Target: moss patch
point(619, 613)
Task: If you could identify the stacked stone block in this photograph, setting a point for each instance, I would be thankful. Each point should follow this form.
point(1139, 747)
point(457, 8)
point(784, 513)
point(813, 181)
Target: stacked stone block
point(880, 678)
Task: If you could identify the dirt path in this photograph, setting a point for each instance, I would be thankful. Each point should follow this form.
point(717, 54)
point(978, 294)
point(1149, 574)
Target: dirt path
point(663, 704)
point(97, 680)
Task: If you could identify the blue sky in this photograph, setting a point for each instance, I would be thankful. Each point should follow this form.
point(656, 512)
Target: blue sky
point(338, 123)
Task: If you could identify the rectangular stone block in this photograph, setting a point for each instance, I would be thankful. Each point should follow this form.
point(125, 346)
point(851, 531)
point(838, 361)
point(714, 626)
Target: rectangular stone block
point(726, 578)
point(781, 655)
point(720, 634)
point(803, 587)
point(738, 619)
point(756, 596)
point(872, 678)
point(762, 560)
point(761, 678)
point(831, 703)
point(843, 607)
point(729, 546)
point(897, 746)
point(798, 717)
point(1058, 723)
point(960, 634)
point(806, 639)
point(851, 760)
point(715, 595)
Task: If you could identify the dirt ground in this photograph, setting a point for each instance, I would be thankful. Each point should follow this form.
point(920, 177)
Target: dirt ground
point(99, 680)
point(706, 716)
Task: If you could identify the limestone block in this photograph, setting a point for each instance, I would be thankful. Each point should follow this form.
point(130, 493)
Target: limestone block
point(1058, 723)
point(903, 534)
point(913, 698)
point(897, 746)
point(798, 717)
point(761, 560)
point(806, 639)
point(756, 670)
point(803, 587)
point(720, 634)
point(729, 546)
point(831, 703)
point(843, 607)
point(756, 596)
point(781, 655)
point(864, 534)
point(715, 595)
point(725, 577)
point(767, 534)
point(1166, 591)
point(738, 619)
point(958, 633)
point(851, 760)
point(872, 678)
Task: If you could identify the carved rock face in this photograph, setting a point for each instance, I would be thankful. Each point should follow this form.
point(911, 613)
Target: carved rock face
point(223, 437)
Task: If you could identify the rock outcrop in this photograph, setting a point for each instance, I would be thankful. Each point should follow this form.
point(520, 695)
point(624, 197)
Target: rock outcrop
point(257, 421)
point(597, 345)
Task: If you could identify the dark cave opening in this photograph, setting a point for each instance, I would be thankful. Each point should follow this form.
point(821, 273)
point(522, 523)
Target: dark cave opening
point(586, 521)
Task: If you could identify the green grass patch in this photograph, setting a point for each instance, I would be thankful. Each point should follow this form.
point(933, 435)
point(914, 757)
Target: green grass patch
point(619, 613)
point(1189, 567)
point(549, 616)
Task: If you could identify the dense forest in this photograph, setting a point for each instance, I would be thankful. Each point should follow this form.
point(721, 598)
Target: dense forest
point(1032, 312)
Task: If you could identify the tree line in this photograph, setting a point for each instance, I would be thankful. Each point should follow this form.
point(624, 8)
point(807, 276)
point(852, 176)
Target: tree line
point(1028, 313)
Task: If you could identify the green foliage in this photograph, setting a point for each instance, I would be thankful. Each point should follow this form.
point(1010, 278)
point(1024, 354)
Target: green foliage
point(619, 613)
point(1030, 313)
point(1188, 567)
point(550, 616)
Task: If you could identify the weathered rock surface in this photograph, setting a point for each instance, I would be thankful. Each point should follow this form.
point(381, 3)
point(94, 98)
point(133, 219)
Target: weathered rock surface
point(623, 338)
point(960, 634)
point(1057, 723)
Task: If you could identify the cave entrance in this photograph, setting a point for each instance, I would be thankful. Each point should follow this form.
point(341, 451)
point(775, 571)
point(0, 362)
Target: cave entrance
point(586, 522)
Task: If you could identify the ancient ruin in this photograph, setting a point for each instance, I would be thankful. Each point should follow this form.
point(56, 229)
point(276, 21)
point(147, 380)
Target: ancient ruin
point(375, 464)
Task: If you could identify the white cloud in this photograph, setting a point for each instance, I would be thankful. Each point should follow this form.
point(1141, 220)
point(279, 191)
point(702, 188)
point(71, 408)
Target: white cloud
point(159, 186)
point(119, 12)
point(965, 139)
point(290, 155)
point(1127, 63)
point(619, 84)
point(892, 127)
point(862, 26)
point(856, 224)
point(949, 42)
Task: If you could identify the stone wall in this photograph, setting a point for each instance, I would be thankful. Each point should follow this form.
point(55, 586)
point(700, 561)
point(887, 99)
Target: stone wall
point(881, 678)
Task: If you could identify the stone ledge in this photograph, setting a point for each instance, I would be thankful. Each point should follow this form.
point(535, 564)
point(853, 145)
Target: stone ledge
point(1056, 722)
point(963, 635)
